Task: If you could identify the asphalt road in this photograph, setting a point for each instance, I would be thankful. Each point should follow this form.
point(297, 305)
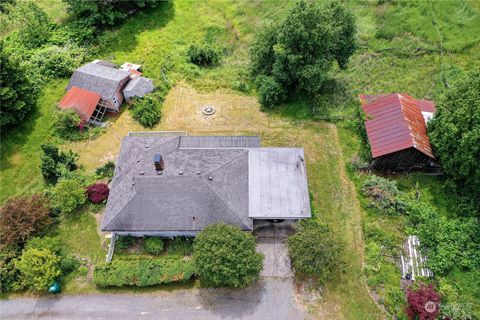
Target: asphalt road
point(270, 298)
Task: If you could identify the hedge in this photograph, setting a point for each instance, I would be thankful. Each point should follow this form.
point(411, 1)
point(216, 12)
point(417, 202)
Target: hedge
point(142, 273)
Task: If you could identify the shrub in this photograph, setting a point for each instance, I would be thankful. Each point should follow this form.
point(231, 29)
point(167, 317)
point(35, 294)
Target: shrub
point(17, 94)
point(448, 242)
point(384, 194)
point(226, 256)
point(23, 217)
point(314, 250)
point(38, 268)
point(153, 245)
point(9, 274)
point(271, 93)
point(455, 134)
point(53, 244)
point(142, 273)
point(98, 192)
point(68, 195)
point(180, 246)
point(299, 51)
point(124, 242)
point(146, 110)
point(203, 55)
point(417, 299)
point(67, 125)
point(53, 162)
point(457, 311)
point(106, 171)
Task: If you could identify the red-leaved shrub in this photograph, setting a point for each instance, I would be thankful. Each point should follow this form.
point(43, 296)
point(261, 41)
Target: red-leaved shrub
point(97, 192)
point(423, 303)
point(22, 218)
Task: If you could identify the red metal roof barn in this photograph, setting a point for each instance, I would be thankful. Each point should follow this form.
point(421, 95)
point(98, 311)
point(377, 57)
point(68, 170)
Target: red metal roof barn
point(82, 101)
point(396, 130)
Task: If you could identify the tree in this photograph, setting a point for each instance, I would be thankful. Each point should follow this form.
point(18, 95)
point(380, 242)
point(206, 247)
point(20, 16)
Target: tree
point(314, 250)
point(17, 94)
point(455, 134)
point(104, 13)
point(68, 195)
point(33, 25)
point(203, 55)
point(67, 125)
point(423, 303)
point(9, 274)
point(226, 256)
point(38, 268)
point(22, 218)
point(299, 52)
point(53, 162)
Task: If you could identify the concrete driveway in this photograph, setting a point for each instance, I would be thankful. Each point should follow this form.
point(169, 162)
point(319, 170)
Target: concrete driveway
point(270, 238)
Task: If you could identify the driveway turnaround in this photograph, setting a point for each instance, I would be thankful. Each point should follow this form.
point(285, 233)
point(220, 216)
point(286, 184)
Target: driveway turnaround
point(269, 298)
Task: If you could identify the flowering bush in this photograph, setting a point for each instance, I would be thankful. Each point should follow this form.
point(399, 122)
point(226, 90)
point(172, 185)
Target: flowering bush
point(97, 192)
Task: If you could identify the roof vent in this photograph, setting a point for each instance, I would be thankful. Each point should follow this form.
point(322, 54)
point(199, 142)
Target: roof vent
point(198, 172)
point(193, 218)
point(159, 172)
point(138, 160)
point(142, 173)
point(210, 178)
point(146, 146)
point(158, 161)
point(181, 173)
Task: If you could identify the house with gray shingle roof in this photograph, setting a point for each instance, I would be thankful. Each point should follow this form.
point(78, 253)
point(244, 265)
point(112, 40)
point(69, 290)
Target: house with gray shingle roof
point(138, 87)
point(177, 185)
point(106, 81)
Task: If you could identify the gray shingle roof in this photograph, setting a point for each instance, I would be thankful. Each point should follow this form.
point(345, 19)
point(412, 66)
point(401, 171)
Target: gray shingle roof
point(97, 78)
point(138, 87)
point(204, 177)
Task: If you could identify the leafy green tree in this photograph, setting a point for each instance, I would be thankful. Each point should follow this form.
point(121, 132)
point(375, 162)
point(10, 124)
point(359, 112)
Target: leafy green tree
point(68, 195)
point(105, 13)
point(9, 274)
point(226, 256)
point(298, 52)
point(38, 268)
point(315, 250)
point(455, 134)
point(32, 24)
point(53, 162)
point(22, 218)
point(17, 94)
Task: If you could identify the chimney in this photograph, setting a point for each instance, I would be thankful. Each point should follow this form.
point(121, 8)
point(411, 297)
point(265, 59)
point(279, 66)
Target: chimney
point(159, 164)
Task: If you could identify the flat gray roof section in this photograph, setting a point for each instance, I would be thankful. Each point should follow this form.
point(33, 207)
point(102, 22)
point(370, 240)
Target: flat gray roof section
point(278, 184)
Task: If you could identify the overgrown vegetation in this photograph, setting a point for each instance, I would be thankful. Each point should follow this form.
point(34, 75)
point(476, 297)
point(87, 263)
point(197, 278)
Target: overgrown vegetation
point(455, 135)
point(142, 273)
point(296, 55)
point(314, 250)
point(153, 245)
point(106, 171)
point(55, 162)
point(384, 194)
point(225, 256)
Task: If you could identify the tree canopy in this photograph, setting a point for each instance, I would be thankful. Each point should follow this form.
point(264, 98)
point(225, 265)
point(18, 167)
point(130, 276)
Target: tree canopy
point(455, 133)
point(38, 268)
point(296, 54)
point(226, 256)
point(17, 94)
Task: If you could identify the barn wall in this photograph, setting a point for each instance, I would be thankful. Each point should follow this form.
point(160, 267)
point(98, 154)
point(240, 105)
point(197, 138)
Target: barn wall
point(401, 160)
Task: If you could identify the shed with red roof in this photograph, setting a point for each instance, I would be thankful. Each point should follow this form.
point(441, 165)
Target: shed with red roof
point(84, 102)
point(397, 131)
